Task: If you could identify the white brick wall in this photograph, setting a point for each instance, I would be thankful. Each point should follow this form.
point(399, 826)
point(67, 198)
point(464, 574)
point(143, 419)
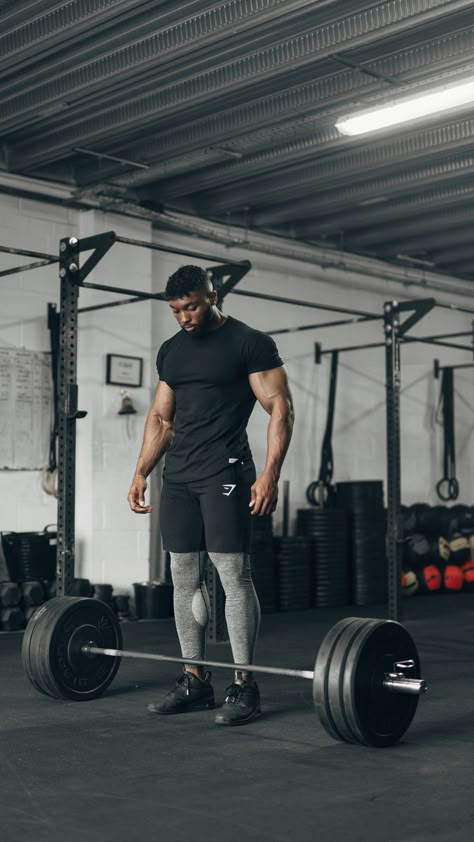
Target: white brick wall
point(113, 543)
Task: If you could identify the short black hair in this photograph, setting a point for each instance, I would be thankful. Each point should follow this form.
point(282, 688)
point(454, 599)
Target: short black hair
point(186, 279)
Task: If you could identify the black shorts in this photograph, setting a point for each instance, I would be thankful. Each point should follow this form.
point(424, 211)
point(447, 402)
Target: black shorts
point(212, 514)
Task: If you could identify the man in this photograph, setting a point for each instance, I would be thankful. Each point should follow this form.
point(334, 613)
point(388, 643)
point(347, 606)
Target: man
point(210, 375)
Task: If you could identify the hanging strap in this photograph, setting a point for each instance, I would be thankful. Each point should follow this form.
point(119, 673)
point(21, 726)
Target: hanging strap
point(326, 469)
point(320, 492)
point(448, 486)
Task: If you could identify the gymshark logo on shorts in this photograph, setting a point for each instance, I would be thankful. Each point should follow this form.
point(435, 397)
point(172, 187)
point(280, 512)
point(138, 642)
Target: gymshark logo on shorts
point(228, 490)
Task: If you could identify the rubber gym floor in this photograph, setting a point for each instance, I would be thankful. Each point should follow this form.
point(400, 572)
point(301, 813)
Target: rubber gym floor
point(108, 770)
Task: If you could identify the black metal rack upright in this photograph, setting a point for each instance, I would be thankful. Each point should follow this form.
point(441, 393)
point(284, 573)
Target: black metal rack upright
point(392, 385)
point(67, 414)
point(394, 330)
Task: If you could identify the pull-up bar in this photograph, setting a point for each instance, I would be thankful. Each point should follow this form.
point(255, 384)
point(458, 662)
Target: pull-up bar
point(437, 367)
point(185, 252)
point(44, 260)
point(428, 340)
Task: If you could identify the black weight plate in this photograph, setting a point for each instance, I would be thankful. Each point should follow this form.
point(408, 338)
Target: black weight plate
point(27, 637)
point(321, 674)
point(376, 716)
point(75, 675)
point(341, 597)
point(35, 642)
point(331, 594)
point(331, 602)
point(52, 648)
point(332, 588)
point(31, 648)
point(293, 603)
point(336, 676)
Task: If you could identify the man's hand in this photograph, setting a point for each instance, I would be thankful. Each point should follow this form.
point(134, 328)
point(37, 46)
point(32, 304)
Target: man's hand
point(136, 496)
point(264, 495)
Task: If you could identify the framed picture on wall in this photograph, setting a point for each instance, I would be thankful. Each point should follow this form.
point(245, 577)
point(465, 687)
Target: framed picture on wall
point(124, 371)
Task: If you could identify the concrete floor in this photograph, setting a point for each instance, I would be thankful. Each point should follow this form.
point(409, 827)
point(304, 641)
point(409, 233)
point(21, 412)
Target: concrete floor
point(107, 770)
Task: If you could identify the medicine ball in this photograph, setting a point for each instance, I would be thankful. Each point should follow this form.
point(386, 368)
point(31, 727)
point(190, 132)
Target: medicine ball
point(416, 551)
point(441, 551)
point(468, 573)
point(460, 549)
point(453, 577)
point(419, 511)
point(430, 579)
point(432, 520)
point(410, 586)
point(461, 519)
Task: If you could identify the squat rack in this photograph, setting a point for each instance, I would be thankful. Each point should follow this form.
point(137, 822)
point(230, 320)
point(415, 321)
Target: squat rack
point(225, 277)
point(396, 335)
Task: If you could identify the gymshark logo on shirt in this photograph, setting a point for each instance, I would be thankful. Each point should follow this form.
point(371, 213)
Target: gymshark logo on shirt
point(228, 490)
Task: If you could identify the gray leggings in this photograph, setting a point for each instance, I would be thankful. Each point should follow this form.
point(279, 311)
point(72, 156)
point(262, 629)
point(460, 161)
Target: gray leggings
point(191, 603)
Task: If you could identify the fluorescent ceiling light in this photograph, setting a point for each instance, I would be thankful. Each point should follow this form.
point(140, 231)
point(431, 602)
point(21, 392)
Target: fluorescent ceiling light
point(408, 109)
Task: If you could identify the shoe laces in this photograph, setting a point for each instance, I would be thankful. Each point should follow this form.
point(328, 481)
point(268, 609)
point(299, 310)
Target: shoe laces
point(234, 693)
point(184, 683)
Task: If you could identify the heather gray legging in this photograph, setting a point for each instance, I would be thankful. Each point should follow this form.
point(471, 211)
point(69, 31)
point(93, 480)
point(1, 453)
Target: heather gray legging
point(191, 603)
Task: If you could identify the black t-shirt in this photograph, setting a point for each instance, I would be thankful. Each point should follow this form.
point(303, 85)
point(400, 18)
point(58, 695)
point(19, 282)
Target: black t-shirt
point(209, 376)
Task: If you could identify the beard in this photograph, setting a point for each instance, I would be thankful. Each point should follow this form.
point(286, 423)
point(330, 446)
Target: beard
point(201, 329)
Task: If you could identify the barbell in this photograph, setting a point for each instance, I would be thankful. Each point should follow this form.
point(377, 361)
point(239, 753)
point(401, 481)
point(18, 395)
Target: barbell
point(366, 680)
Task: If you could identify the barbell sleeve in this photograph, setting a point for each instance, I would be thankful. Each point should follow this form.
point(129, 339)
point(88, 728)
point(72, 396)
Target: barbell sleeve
point(412, 686)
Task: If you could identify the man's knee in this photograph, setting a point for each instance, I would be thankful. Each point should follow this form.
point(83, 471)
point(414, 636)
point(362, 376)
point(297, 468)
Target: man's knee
point(185, 569)
point(233, 569)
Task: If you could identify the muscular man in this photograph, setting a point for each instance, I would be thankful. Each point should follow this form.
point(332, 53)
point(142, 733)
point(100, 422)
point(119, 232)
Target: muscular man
point(210, 375)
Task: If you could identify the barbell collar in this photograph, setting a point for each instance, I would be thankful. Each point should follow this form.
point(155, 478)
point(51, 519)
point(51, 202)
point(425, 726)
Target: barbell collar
point(400, 684)
point(90, 649)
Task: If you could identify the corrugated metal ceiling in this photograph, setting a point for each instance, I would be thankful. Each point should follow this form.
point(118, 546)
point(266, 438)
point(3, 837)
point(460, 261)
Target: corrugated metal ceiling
point(227, 111)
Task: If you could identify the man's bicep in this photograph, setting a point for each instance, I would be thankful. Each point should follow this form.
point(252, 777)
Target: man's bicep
point(164, 402)
point(269, 385)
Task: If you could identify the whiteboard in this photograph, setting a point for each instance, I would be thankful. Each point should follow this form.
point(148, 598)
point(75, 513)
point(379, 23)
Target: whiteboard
point(26, 405)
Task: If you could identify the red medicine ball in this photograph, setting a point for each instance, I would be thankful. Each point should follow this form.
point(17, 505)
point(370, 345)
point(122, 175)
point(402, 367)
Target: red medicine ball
point(453, 578)
point(468, 573)
point(430, 578)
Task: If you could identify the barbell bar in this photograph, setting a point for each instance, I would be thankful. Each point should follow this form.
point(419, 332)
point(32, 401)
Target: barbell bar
point(395, 682)
point(366, 680)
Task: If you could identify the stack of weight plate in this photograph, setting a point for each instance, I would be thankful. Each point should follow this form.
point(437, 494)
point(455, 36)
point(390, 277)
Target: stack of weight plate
point(367, 555)
point(263, 563)
point(293, 558)
point(328, 530)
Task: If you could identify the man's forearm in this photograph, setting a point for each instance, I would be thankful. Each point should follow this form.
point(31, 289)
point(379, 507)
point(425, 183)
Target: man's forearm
point(279, 433)
point(157, 437)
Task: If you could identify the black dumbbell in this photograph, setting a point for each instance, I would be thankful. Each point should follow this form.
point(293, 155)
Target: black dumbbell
point(12, 619)
point(32, 593)
point(10, 594)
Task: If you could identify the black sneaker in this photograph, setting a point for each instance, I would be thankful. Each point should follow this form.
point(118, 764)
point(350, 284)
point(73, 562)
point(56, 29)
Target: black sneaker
point(190, 693)
point(241, 704)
